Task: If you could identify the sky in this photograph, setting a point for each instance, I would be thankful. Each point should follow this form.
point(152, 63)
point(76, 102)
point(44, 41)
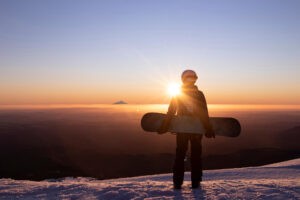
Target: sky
point(83, 52)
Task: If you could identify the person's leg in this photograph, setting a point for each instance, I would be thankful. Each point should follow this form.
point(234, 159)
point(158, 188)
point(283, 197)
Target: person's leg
point(178, 168)
point(196, 160)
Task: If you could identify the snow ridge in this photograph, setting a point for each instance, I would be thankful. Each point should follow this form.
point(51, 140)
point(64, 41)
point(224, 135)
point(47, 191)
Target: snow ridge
point(276, 181)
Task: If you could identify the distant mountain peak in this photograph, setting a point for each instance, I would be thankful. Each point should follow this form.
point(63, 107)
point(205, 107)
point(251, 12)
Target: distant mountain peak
point(120, 102)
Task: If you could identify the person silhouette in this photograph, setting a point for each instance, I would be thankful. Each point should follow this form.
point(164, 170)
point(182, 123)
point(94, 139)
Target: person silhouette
point(190, 102)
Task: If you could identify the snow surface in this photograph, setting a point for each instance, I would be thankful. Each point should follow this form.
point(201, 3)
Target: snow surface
point(276, 181)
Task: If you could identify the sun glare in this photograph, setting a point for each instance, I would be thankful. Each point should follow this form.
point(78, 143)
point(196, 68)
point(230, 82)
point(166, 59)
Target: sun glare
point(173, 89)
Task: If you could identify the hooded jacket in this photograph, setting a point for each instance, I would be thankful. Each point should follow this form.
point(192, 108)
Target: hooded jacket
point(191, 102)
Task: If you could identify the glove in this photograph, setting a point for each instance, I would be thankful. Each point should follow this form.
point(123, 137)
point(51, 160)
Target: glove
point(210, 133)
point(162, 130)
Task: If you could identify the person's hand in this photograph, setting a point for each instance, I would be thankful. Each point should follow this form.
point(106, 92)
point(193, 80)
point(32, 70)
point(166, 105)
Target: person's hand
point(164, 126)
point(162, 130)
point(210, 133)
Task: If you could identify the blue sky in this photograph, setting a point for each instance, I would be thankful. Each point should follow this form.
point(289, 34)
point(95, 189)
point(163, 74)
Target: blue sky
point(101, 51)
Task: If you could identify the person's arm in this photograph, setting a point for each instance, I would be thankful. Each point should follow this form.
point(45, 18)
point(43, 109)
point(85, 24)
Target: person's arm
point(171, 112)
point(205, 117)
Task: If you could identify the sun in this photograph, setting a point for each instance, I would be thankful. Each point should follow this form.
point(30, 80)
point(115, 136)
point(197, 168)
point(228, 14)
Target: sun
point(173, 89)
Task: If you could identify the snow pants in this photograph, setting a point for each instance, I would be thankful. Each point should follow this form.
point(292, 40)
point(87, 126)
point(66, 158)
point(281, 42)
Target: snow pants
point(182, 141)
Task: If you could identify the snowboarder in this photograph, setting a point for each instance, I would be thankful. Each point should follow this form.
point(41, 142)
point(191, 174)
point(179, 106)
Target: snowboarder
point(190, 102)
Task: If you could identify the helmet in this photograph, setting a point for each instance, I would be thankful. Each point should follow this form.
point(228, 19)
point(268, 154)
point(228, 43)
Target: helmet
point(188, 74)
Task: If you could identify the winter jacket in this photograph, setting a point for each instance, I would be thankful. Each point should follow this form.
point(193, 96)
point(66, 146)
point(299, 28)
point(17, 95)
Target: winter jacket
point(190, 102)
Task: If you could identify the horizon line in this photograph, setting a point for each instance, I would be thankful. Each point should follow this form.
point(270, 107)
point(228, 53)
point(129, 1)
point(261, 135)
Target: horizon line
point(93, 105)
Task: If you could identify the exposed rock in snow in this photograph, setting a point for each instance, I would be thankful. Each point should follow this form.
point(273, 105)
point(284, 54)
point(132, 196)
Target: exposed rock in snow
point(277, 181)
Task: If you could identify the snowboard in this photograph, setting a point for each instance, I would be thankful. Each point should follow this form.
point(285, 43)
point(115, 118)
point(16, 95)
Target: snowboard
point(222, 126)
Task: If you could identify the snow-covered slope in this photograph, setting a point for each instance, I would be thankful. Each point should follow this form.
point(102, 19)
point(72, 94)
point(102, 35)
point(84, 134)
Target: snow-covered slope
point(277, 181)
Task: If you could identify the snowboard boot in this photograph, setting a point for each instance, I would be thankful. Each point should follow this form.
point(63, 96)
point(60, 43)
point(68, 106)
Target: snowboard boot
point(177, 186)
point(196, 184)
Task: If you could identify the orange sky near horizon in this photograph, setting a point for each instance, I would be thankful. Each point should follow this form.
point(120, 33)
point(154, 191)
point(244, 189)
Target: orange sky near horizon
point(140, 94)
